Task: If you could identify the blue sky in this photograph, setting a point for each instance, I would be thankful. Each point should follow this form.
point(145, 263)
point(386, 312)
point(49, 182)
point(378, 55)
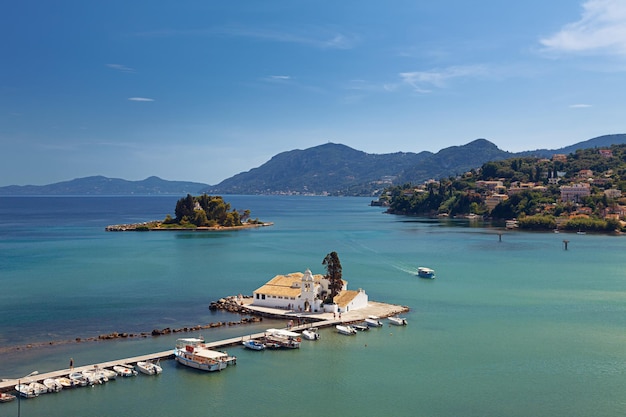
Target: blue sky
point(200, 90)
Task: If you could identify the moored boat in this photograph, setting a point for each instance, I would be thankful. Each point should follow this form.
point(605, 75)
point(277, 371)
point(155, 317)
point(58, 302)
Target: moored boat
point(345, 329)
point(193, 353)
point(124, 370)
point(52, 384)
point(5, 397)
point(38, 387)
point(311, 334)
point(397, 321)
point(360, 327)
point(253, 344)
point(283, 338)
point(65, 382)
point(424, 272)
point(148, 368)
point(78, 379)
point(373, 321)
point(26, 391)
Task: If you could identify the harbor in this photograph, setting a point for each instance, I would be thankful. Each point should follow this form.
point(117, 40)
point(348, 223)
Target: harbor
point(296, 322)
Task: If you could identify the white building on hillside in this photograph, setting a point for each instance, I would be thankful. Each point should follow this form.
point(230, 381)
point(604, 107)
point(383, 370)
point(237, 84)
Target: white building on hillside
point(305, 293)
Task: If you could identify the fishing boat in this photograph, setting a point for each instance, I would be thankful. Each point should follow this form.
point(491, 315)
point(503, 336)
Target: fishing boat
point(397, 321)
point(253, 344)
point(311, 334)
point(148, 368)
point(52, 384)
point(26, 391)
point(193, 353)
point(347, 330)
point(373, 321)
point(424, 272)
point(5, 397)
point(284, 338)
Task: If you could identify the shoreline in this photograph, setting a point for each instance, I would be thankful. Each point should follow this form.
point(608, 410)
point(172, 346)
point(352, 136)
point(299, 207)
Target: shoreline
point(156, 227)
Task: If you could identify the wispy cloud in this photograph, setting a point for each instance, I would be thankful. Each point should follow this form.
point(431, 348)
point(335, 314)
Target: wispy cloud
point(313, 36)
point(600, 30)
point(424, 81)
point(579, 106)
point(140, 99)
point(120, 67)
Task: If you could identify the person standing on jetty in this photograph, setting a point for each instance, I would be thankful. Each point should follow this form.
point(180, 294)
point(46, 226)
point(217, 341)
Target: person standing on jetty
point(71, 364)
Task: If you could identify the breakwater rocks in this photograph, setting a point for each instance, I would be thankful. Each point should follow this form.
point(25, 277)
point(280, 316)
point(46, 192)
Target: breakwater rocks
point(233, 304)
point(125, 335)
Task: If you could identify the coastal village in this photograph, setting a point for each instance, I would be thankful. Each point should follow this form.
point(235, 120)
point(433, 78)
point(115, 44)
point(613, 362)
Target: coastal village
point(556, 196)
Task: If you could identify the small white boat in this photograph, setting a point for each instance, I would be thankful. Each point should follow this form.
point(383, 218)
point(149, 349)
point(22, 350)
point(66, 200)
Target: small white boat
point(360, 327)
point(373, 322)
point(124, 370)
point(424, 272)
point(311, 334)
point(347, 330)
point(149, 368)
point(5, 397)
point(108, 373)
point(38, 387)
point(193, 353)
point(52, 384)
point(78, 379)
point(65, 382)
point(253, 344)
point(397, 321)
point(95, 377)
point(283, 338)
point(26, 391)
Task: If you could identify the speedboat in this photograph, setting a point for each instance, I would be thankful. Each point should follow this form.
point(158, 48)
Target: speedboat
point(311, 334)
point(26, 391)
point(347, 330)
point(424, 272)
point(148, 368)
point(373, 321)
point(397, 321)
point(253, 344)
point(52, 384)
point(124, 370)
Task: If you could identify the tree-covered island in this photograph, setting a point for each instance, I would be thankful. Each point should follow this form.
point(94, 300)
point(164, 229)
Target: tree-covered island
point(203, 212)
point(583, 191)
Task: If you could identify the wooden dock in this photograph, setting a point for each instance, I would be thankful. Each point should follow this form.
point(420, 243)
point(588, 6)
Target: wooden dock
point(9, 384)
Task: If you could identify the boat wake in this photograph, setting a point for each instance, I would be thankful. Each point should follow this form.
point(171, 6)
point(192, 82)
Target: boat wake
point(405, 268)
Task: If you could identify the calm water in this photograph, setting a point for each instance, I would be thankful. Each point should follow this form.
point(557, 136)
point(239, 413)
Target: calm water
point(513, 328)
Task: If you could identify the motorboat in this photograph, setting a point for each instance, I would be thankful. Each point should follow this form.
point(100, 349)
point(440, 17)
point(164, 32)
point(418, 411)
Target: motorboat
point(78, 379)
point(193, 353)
point(124, 370)
point(108, 373)
point(52, 384)
point(5, 397)
point(347, 330)
point(397, 321)
point(311, 334)
point(253, 344)
point(424, 272)
point(38, 387)
point(373, 321)
point(26, 391)
point(95, 377)
point(360, 327)
point(148, 368)
point(65, 382)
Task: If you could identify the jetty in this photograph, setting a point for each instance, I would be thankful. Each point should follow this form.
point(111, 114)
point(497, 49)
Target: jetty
point(298, 321)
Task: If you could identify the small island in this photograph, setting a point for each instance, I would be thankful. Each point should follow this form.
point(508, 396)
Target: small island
point(205, 212)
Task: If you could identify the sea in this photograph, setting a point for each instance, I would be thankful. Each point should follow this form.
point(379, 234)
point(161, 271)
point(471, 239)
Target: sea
point(513, 324)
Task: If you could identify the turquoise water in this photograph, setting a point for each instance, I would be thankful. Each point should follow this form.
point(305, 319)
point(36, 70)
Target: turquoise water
point(516, 327)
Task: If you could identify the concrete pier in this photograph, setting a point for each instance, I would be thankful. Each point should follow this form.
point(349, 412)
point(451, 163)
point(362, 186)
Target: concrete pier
point(318, 320)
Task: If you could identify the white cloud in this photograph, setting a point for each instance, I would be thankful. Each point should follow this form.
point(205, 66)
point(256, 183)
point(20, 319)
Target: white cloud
point(423, 81)
point(601, 29)
point(140, 99)
point(579, 106)
point(120, 67)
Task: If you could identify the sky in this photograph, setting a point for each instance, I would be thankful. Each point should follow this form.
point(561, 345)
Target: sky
point(200, 90)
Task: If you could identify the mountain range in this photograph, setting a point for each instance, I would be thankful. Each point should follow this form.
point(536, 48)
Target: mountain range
point(330, 168)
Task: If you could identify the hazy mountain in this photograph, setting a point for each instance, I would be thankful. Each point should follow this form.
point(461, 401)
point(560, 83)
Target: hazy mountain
point(99, 185)
point(330, 168)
